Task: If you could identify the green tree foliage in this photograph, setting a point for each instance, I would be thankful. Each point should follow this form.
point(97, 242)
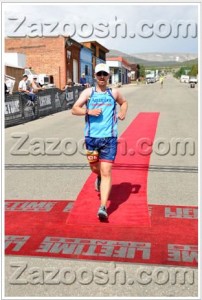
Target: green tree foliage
point(194, 70)
point(142, 71)
point(182, 71)
point(188, 70)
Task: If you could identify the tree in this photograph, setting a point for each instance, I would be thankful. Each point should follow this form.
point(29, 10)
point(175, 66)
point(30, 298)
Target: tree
point(182, 71)
point(194, 70)
point(142, 71)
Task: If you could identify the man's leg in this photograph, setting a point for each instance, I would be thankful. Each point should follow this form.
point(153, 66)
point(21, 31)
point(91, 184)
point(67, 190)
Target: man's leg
point(106, 181)
point(95, 167)
point(93, 159)
point(31, 97)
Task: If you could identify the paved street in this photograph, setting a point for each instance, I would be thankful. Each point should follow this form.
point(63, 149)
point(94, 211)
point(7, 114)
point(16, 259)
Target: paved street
point(59, 174)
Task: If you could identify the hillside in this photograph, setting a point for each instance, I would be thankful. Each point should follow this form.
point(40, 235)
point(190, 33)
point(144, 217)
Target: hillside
point(157, 59)
point(163, 57)
point(129, 58)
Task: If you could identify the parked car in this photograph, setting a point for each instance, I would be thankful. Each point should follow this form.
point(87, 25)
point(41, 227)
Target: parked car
point(184, 79)
point(193, 79)
point(150, 78)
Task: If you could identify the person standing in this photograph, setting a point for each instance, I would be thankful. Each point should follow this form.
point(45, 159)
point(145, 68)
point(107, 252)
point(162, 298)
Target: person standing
point(101, 130)
point(6, 90)
point(69, 84)
point(83, 81)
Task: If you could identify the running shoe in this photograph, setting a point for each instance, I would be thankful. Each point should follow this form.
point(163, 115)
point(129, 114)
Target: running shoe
point(102, 213)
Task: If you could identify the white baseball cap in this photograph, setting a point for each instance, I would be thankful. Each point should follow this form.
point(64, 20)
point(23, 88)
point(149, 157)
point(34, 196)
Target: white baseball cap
point(102, 68)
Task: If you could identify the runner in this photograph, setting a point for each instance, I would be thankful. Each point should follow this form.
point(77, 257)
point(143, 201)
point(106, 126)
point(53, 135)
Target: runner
point(101, 130)
point(161, 80)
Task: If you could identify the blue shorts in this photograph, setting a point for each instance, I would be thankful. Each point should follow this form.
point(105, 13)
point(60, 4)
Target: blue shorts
point(104, 149)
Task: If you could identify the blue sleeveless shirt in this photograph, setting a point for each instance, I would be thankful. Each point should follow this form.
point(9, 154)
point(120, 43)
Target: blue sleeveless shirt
point(105, 125)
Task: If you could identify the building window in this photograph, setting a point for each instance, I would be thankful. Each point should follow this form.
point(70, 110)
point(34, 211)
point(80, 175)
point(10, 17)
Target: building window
point(132, 75)
point(69, 53)
point(87, 70)
point(101, 54)
point(94, 49)
point(120, 75)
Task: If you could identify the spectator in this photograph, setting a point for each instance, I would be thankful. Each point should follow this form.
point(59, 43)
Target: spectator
point(68, 85)
point(83, 81)
point(35, 86)
point(24, 87)
point(6, 89)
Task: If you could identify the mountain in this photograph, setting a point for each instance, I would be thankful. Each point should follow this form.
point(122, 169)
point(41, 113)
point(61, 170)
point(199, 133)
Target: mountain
point(159, 56)
point(156, 59)
point(190, 62)
point(128, 57)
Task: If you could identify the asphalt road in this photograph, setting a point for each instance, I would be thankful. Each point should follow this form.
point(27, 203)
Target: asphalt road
point(35, 172)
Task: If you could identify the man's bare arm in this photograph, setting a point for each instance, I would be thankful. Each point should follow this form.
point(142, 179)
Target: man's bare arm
point(78, 109)
point(122, 102)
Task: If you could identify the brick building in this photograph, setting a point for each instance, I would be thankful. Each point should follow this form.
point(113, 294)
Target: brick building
point(58, 57)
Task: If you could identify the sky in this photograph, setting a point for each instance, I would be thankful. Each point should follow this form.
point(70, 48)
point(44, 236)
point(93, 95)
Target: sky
point(128, 28)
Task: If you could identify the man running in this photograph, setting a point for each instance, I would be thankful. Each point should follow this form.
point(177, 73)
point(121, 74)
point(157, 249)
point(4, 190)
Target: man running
point(101, 130)
point(161, 80)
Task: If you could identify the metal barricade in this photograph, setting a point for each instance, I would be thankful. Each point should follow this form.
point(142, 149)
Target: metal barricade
point(69, 97)
point(13, 109)
point(19, 108)
point(28, 107)
point(56, 95)
point(45, 104)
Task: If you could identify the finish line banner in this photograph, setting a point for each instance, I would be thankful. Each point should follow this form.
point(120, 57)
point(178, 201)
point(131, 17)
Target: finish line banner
point(38, 228)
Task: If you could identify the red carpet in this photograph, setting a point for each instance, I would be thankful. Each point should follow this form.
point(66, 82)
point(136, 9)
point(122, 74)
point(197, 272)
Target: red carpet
point(38, 228)
point(154, 234)
point(127, 205)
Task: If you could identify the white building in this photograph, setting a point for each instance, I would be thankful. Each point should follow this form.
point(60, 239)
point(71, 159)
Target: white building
point(16, 60)
point(14, 64)
point(120, 70)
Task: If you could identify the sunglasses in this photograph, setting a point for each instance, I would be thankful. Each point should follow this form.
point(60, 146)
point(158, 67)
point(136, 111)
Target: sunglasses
point(102, 73)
